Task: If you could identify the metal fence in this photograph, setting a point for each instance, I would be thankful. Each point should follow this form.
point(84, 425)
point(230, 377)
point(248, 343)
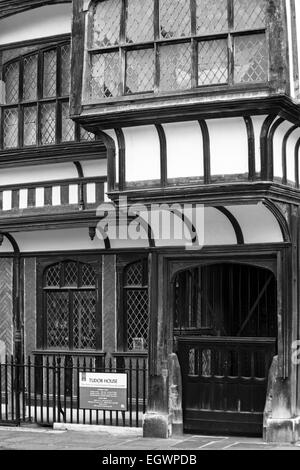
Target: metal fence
point(45, 390)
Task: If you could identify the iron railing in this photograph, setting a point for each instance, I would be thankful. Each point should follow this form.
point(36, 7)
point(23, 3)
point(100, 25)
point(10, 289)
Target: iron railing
point(45, 390)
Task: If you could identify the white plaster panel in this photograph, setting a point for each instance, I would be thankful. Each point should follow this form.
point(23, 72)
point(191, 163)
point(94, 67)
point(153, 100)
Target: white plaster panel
point(119, 244)
point(168, 228)
point(56, 196)
point(228, 146)
point(38, 173)
point(6, 247)
point(277, 147)
point(217, 228)
point(23, 198)
point(290, 155)
point(7, 200)
point(37, 23)
point(184, 150)
point(73, 194)
point(57, 240)
point(257, 126)
point(91, 193)
point(94, 168)
point(142, 153)
point(40, 197)
point(258, 224)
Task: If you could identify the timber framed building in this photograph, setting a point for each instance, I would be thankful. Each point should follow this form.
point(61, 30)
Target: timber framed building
point(153, 102)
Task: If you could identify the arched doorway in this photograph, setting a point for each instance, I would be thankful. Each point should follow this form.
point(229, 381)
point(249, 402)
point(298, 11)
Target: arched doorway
point(225, 325)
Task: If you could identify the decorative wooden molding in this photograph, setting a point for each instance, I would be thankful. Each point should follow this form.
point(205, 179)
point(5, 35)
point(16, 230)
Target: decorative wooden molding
point(280, 105)
point(235, 225)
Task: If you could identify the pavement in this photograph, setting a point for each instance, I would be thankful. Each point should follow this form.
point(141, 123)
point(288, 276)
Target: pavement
point(37, 438)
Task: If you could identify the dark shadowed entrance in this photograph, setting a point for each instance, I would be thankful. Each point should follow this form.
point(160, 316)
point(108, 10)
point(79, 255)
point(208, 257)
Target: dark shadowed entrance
point(226, 329)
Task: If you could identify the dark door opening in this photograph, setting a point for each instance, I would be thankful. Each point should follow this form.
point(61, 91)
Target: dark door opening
point(225, 323)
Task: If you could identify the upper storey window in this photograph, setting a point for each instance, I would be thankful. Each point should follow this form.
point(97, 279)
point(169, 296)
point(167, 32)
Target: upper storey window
point(165, 46)
point(36, 100)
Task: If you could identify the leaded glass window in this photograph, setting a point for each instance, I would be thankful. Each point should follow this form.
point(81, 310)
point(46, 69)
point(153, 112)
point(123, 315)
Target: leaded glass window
point(70, 294)
point(35, 110)
point(48, 123)
point(152, 46)
point(211, 16)
point(30, 65)
point(136, 304)
point(140, 71)
point(67, 125)
point(140, 25)
point(30, 125)
point(176, 67)
point(250, 59)
point(10, 128)
point(212, 59)
point(175, 18)
point(49, 74)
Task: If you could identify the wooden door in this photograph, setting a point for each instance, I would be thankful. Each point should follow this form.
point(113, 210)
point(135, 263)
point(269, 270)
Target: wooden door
point(225, 323)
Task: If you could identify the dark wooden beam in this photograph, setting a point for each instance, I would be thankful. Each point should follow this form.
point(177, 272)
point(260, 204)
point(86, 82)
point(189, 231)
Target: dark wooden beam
point(169, 110)
point(206, 150)
point(163, 155)
point(251, 147)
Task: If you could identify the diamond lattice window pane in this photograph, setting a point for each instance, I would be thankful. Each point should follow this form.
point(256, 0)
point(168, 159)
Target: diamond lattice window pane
point(140, 21)
point(175, 18)
point(175, 67)
point(71, 274)
point(53, 276)
point(250, 59)
point(88, 275)
point(105, 73)
point(10, 128)
point(140, 71)
point(212, 16)
point(30, 65)
point(212, 62)
point(86, 136)
point(48, 123)
point(30, 125)
point(249, 15)
point(67, 125)
point(58, 320)
point(11, 78)
point(106, 24)
point(134, 274)
point(49, 75)
point(84, 320)
point(65, 69)
point(137, 316)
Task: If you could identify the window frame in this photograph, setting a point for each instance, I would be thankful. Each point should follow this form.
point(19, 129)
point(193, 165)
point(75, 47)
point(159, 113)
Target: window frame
point(123, 263)
point(59, 99)
point(194, 39)
point(41, 333)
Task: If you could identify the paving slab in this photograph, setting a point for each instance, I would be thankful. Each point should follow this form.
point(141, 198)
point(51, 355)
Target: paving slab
point(35, 438)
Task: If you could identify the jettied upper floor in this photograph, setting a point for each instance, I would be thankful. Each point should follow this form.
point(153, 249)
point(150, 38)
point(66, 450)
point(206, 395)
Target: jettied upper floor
point(191, 96)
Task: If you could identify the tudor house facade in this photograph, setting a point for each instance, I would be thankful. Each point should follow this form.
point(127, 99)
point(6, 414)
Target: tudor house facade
point(160, 102)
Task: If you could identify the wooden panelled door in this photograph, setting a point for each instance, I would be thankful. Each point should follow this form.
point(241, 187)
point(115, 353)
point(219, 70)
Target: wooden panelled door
point(226, 329)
